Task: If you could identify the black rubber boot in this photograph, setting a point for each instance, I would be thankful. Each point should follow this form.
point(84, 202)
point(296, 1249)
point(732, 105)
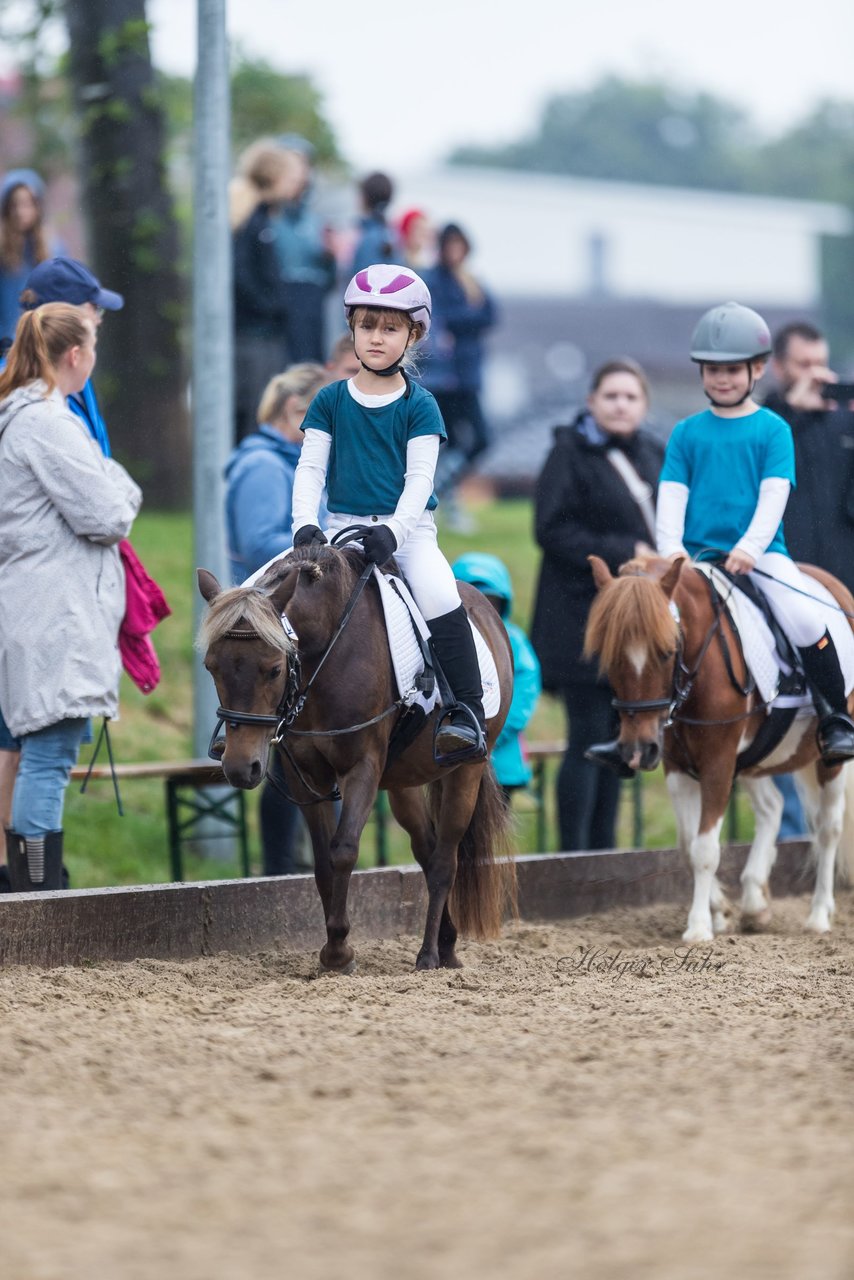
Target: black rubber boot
point(461, 729)
point(835, 733)
point(35, 862)
point(609, 756)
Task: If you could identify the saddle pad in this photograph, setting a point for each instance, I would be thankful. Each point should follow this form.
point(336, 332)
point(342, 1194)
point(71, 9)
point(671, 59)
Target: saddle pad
point(402, 616)
point(760, 653)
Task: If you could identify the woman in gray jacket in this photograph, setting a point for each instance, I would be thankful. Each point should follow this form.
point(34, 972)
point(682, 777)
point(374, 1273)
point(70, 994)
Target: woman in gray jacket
point(64, 507)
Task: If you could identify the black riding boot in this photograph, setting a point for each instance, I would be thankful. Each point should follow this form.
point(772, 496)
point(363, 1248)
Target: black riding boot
point(608, 755)
point(461, 730)
point(835, 733)
point(35, 862)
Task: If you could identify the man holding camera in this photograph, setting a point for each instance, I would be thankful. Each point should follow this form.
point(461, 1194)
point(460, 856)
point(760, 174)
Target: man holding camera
point(819, 519)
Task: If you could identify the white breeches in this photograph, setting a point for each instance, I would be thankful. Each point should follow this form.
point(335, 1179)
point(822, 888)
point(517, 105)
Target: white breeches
point(801, 619)
point(427, 571)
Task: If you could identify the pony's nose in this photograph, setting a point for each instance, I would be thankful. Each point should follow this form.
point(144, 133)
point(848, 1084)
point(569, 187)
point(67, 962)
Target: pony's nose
point(245, 775)
point(650, 755)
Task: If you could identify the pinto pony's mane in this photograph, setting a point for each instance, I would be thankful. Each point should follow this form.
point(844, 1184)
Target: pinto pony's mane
point(629, 611)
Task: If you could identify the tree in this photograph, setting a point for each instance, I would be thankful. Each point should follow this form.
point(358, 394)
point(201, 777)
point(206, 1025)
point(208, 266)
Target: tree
point(632, 132)
point(134, 242)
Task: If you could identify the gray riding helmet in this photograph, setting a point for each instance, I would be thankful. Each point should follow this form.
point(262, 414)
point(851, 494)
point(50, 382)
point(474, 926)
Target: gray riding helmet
point(730, 332)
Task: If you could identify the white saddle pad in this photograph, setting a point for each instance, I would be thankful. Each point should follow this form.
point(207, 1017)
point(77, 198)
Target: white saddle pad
point(401, 612)
point(760, 653)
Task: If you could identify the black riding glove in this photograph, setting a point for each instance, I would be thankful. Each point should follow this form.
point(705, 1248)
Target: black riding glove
point(380, 544)
point(310, 536)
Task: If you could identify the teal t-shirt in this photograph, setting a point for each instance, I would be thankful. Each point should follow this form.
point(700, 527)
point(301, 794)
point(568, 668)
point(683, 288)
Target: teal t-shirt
point(723, 461)
point(367, 463)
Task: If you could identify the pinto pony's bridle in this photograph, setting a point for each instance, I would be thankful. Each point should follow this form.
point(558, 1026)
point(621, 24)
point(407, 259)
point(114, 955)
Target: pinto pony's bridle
point(684, 677)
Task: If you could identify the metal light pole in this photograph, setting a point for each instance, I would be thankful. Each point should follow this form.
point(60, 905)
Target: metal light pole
point(212, 352)
point(212, 327)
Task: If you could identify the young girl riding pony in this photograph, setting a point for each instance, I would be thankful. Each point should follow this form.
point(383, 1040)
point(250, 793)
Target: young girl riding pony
point(725, 482)
point(373, 440)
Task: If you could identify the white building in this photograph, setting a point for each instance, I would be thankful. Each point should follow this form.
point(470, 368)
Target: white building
point(542, 236)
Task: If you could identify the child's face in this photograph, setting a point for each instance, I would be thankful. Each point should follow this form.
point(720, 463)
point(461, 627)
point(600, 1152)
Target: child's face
point(380, 339)
point(728, 384)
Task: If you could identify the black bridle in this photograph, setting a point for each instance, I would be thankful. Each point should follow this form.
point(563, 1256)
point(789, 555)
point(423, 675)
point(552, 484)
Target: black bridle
point(293, 697)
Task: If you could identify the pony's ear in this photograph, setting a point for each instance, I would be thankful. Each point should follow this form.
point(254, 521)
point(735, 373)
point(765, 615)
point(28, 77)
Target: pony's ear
point(284, 589)
point(602, 575)
point(671, 577)
point(208, 584)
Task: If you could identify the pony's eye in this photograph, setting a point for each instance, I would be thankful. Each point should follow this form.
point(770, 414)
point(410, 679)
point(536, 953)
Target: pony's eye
point(274, 673)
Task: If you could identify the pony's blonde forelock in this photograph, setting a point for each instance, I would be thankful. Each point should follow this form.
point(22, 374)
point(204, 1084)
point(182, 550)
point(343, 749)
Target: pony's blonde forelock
point(251, 609)
point(628, 611)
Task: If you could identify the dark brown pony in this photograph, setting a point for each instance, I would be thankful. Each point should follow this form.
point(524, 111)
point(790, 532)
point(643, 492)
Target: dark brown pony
point(457, 829)
point(663, 648)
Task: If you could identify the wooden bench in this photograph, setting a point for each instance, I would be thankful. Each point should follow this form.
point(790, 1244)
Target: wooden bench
point(188, 802)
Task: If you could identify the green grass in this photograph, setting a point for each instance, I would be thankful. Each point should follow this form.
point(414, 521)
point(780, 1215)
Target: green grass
point(105, 849)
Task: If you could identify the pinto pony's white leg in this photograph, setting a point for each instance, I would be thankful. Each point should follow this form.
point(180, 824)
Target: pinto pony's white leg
point(704, 851)
point(767, 804)
point(828, 830)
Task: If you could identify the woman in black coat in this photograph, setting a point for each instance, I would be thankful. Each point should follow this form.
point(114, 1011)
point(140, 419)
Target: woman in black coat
point(589, 501)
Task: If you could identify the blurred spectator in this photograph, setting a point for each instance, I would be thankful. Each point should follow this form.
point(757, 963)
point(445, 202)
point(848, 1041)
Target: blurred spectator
point(260, 472)
point(63, 509)
point(417, 240)
point(453, 369)
point(260, 476)
point(819, 519)
point(66, 280)
point(595, 495)
point(376, 242)
point(306, 259)
point(23, 242)
point(490, 575)
point(343, 361)
point(69, 281)
point(267, 177)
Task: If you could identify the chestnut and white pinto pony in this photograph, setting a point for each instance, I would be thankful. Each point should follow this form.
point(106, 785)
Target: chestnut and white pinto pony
point(663, 648)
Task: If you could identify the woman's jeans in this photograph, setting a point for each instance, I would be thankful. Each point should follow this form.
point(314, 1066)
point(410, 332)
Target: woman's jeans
point(47, 758)
point(587, 794)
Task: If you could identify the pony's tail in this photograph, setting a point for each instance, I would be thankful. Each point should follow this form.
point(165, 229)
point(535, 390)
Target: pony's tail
point(484, 892)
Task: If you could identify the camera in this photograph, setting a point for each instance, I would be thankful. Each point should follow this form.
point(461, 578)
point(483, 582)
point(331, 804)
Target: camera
point(842, 392)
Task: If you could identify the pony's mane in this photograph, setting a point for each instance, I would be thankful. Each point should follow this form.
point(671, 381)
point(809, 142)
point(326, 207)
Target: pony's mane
point(249, 607)
point(628, 611)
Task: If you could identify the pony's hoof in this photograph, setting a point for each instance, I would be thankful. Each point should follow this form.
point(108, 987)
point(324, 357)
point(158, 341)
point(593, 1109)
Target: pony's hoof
point(756, 921)
point(698, 933)
point(450, 960)
point(336, 970)
point(722, 922)
point(426, 960)
point(818, 922)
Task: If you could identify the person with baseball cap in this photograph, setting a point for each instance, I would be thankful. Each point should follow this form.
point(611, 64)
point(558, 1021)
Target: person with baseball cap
point(67, 280)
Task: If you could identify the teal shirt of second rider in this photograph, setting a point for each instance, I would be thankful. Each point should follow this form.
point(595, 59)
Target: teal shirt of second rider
point(723, 461)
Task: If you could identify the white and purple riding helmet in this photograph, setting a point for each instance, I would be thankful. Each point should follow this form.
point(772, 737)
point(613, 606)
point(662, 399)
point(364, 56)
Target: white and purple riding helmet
point(391, 287)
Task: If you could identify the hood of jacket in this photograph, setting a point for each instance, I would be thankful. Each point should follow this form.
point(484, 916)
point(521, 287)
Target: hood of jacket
point(265, 440)
point(488, 574)
point(586, 432)
point(20, 398)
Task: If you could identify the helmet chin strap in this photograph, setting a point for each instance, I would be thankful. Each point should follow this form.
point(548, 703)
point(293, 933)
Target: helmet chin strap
point(732, 404)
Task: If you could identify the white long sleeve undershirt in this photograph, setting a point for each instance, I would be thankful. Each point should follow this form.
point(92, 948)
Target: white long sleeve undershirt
point(673, 503)
point(422, 454)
